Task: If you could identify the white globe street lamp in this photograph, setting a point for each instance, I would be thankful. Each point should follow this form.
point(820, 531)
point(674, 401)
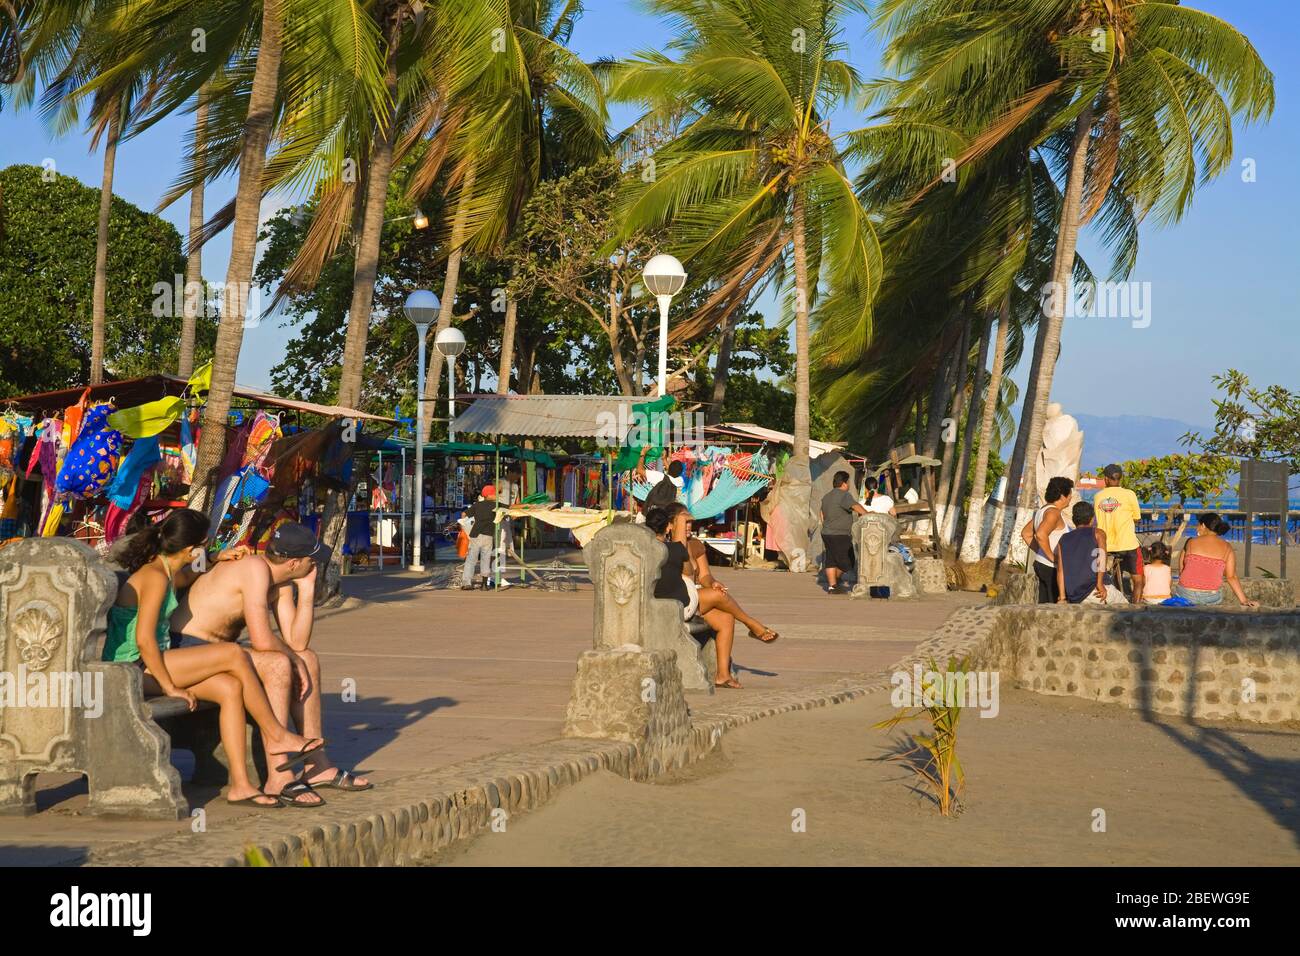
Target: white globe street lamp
point(450, 342)
point(422, 309)
point(664, 277)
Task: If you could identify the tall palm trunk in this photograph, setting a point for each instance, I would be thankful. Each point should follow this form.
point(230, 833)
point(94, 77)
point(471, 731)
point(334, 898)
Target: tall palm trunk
point(1004, 515)
point(243, 247)
point(1067, 240)
point(193, 295)
point(951, 443)
point(801, 337)
point(507, 347)
point(365, 274)
point(949, 529)
point(973, 539)
point(722, 369)
point(937, 404)
point(99, 297)
point(366, 268)
point(433, 377)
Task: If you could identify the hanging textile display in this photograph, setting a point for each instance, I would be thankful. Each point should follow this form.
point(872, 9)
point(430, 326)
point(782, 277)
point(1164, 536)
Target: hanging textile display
point(647, 432)
point(92, 460)
point(144, 454)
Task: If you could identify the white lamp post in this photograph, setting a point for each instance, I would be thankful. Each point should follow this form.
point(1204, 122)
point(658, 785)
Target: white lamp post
point(422, 309)
point(664, 277)
point(450, 342)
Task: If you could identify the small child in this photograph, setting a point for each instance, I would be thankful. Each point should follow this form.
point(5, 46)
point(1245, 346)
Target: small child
point(1159, 575)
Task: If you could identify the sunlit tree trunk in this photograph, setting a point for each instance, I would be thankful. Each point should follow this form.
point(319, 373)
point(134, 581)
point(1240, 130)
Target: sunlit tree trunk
point(99, 297)
point(193, 295)
point(243, 246)
point(973, 539)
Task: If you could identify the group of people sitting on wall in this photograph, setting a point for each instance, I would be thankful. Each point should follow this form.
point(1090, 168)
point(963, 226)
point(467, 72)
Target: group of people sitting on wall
point(178, 617)
point(1076, 546)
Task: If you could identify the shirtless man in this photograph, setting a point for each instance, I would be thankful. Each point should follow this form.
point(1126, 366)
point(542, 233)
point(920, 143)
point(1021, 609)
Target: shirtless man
point(246, 593)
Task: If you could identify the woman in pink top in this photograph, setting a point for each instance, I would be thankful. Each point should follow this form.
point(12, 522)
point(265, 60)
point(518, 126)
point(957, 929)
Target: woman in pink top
point(1207, 561)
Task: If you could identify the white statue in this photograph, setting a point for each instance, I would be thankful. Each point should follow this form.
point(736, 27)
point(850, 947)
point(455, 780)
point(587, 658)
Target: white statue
point(1062, 449)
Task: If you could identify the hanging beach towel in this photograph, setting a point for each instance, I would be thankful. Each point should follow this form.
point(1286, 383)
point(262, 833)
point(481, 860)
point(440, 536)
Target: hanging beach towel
point(92, 460)
point(144, 454)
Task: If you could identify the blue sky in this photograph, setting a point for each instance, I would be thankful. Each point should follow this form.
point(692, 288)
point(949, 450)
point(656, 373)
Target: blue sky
point(1223, 281)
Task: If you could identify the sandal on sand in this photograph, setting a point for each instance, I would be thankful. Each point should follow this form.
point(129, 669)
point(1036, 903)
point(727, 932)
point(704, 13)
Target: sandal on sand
point(342, 780)
point(254, 802)
point(764, 636)
point(730, 683)
point(288, 797)
point(298, 756)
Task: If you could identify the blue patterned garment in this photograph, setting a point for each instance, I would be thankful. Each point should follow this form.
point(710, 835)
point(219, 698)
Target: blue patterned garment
point(92, 460)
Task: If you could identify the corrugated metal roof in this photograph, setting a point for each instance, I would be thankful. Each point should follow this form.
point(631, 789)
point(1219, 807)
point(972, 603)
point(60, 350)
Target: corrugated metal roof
point(549, 416)
point(815, 448)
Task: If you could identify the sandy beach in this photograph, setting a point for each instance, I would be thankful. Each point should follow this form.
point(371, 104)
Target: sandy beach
point(1222, 794)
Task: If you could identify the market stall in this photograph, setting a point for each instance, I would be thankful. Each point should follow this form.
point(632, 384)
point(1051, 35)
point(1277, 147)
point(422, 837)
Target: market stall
point(83, 461)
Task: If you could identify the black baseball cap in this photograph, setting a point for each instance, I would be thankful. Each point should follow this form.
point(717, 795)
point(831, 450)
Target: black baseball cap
point(1113, 471)
point(293, 540)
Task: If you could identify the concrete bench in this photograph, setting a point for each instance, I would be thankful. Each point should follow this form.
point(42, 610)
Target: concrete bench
point(54, 598)
point(199, 732)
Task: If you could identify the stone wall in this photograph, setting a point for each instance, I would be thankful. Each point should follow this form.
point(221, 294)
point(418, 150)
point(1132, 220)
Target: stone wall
point(1022, 588)
point(1208, 663)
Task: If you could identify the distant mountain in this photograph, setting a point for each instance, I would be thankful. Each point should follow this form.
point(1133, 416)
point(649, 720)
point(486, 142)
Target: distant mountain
point(1125, 437)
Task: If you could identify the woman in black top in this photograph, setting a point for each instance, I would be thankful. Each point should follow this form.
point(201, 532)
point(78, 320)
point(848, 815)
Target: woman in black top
point(677, 581)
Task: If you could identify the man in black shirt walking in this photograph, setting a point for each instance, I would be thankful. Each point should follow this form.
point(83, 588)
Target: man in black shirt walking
point(483, 514)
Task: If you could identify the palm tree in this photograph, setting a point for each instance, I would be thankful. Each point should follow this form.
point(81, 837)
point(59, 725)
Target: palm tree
point(1133, 100)
point(537, 110)
point(756, 182)
point(193, 303)
point(331, 67)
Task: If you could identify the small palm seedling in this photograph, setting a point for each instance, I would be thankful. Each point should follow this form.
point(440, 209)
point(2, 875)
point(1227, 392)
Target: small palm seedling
point(933, 756)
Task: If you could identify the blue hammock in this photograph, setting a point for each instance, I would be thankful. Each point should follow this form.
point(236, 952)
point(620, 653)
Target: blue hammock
point(727, 492)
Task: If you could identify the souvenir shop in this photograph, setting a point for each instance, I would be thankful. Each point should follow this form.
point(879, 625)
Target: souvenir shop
point(454, 475)
point(83, 462)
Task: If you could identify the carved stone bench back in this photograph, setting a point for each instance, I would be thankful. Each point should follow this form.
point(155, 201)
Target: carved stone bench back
point(624, 562)
point(54, 598)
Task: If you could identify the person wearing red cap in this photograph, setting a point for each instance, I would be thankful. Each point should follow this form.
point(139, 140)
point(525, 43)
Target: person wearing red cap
point(482, 515)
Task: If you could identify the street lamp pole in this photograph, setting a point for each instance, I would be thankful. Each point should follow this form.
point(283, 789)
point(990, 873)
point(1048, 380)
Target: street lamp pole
point(664, 277)
point(421, 308)
point(451, 342)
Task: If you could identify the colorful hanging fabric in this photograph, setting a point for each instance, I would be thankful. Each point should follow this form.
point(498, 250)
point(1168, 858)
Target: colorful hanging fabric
point(144, 454)
point(92, 460)
point(189, 451)
point(153, 418)
point(72, 416)
point(646, 432)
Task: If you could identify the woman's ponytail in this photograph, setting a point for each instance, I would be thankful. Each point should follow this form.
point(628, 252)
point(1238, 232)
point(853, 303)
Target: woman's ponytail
point(181, 529)
point(142, 548)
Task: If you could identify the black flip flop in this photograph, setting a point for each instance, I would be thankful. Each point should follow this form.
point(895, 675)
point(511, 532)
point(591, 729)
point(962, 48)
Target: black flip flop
point(342, 780)
point(288, 797)
point(298, 756)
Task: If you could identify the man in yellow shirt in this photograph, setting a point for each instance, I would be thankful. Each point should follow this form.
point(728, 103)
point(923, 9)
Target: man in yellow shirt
point(1117, 515)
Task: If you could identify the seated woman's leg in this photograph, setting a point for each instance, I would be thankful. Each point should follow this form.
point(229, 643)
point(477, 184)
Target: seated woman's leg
point(724, 628)
point(225, 691)
point(190, 665)
point(711, 599)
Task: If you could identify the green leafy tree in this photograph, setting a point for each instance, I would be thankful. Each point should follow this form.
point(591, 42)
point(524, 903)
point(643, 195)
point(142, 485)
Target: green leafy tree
point(1178, 478)
point(47, 260)
point(1252, 422)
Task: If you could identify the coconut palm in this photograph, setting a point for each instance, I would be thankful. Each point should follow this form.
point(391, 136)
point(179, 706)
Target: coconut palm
point(291, 69)
point(756, 182)
point(1132, 101)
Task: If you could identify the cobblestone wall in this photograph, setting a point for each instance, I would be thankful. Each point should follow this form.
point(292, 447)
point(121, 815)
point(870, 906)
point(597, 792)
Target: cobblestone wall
point(1204, 663)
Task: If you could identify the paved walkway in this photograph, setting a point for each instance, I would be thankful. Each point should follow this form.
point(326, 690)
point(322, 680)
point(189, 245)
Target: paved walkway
point(443, 676)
